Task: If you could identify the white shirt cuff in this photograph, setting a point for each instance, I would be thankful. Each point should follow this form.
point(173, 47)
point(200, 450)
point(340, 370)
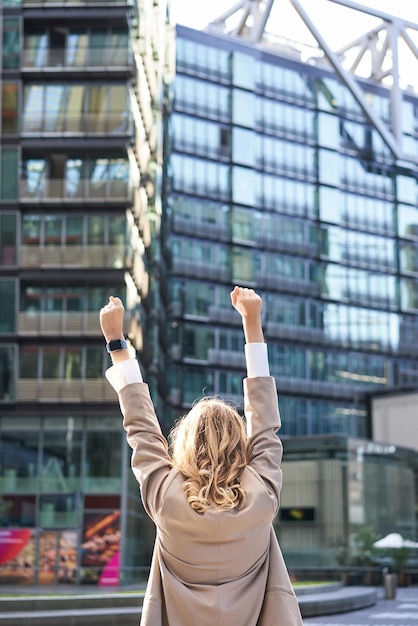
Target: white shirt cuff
point(257, 360)
point(124, 373)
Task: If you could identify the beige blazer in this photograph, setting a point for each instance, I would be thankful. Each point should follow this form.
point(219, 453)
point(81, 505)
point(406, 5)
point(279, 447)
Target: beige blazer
point(220, 568)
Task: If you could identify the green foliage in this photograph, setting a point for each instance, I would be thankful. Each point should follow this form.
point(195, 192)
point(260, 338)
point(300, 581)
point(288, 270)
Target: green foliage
point(364, 553)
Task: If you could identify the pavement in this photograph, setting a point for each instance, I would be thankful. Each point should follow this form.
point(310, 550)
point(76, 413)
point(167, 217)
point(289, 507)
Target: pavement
point(401, 611)
point(86, 606)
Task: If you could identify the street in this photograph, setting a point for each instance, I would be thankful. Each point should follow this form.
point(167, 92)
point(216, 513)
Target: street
point(403, 611)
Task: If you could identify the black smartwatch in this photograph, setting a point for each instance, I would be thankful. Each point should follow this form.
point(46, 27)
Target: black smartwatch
point(116, 344)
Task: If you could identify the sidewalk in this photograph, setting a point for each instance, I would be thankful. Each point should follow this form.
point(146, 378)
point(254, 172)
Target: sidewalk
point(85, 606)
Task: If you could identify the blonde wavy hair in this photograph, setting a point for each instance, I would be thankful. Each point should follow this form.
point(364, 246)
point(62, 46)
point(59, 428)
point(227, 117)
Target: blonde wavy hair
point(209, 446)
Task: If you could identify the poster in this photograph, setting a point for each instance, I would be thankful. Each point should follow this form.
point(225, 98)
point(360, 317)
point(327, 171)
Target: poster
point(57, 557)
point(17, 556)
point(100, 548)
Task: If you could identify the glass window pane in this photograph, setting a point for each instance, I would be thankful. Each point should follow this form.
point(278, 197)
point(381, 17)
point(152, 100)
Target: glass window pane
point(119, 46)
point(95, 229)
point(6, 373)
point(9, 108)
point(118, 114)
point(72, 363)
point(51, 363)
point(103, 456)
point(54, 112)
point(7, 306)
point(53, 229)
point(96, 120)
point(75, 106)
point(408, 221)
point(8, 174)
point(33, 108)
point(73, 177)
point(35, 50)
point(8, 233)
point(31, 230)
point(29, 362)
point(74, 230)
point(97, 47)
point(94, 362)
point(117, 229)
point(75, 299)
point(11, 43)
point(77, 48)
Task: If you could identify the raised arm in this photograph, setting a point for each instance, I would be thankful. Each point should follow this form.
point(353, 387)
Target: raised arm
point(260, 396)
point(249, 305)
point(150, 460)
point(111, 322)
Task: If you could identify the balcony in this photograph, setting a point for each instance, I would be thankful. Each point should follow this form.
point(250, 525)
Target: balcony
point(293, 285)
point(329, 389)
point(226, 358)
point(223, 315)
point(76, 59)
point(73, 256)
point(77, 191)
point(59, 390)
point(72, 126)
point(199, 269)
point(76, 3)
point(297, 333)
point(208, 230)
point(273, 241)
point(65, 323)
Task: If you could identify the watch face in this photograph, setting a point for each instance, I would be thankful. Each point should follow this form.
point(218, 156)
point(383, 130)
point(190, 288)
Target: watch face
point(116, 344)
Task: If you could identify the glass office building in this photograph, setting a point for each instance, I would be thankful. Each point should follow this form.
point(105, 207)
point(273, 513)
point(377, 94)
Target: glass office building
point(80, 158)
point(279, 182)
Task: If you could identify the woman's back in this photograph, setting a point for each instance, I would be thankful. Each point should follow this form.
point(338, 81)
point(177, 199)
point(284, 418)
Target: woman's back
point(218, 545)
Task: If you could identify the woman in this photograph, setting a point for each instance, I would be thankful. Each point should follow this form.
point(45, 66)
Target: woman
point(213, 495)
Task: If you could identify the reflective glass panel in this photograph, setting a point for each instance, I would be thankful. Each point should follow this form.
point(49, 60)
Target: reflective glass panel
point(8, 234)
point(9, 109)
point(11, 43)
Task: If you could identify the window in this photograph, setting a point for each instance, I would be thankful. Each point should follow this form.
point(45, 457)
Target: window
point(8, 173)
point(244, 67)
point(95, 108)
point(68, 363)
point(7, 305)
point(8, 233)
point(9, 108)
point(197, 383)
point(408, 221)
point(103, 456)
point(202, 97)
point(7, 358)
point(11, 43)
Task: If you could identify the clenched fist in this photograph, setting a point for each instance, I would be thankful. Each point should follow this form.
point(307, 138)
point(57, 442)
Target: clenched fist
point(111, 319)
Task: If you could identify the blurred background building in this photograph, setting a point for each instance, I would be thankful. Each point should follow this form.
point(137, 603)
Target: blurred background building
point(81, 155)
point(262, 164)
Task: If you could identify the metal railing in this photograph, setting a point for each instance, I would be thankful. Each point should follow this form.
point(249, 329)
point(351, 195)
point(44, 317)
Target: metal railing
point(77, 57)
point(108, 256)
point(78, 190)
point(84, 124)
point(61, 390)
point(78, 3)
